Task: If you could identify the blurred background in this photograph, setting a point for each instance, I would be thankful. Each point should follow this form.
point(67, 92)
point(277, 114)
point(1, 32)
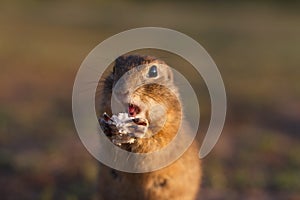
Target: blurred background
point(255, 44)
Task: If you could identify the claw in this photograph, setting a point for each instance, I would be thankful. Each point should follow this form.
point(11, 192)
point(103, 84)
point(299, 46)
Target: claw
point(107, 117)
point(139, 121)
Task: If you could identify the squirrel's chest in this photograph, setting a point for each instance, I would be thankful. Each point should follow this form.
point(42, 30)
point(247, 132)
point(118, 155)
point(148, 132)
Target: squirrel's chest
point(173, 182)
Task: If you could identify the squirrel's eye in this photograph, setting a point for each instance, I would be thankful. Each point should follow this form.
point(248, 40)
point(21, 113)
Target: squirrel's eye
point(152, 71)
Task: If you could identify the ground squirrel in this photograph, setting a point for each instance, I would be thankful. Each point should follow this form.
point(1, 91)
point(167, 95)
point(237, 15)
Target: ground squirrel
point(150, 84)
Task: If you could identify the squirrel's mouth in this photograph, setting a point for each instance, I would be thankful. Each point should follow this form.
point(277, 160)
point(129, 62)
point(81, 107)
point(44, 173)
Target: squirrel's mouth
point(133, 110)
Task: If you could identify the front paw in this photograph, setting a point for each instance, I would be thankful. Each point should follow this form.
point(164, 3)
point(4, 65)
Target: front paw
point(122, 129)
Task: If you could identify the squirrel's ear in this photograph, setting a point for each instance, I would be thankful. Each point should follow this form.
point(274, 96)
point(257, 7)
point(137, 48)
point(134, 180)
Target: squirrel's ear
point(170, 76)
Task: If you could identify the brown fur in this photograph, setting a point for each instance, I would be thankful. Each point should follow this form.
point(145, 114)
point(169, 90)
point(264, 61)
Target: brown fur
point(181, 179)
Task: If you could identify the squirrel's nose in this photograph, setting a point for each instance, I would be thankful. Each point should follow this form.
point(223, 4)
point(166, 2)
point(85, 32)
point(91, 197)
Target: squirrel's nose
point(122, 96)
point(125, 93)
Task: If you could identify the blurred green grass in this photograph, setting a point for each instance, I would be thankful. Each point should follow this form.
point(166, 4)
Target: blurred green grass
point(255, 45)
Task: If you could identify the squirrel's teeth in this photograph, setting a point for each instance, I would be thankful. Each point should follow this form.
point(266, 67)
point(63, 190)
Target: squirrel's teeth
point(133, 110)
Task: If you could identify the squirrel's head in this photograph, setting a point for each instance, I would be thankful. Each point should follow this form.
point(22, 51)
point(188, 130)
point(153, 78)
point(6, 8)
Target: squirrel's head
point(144, 86)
